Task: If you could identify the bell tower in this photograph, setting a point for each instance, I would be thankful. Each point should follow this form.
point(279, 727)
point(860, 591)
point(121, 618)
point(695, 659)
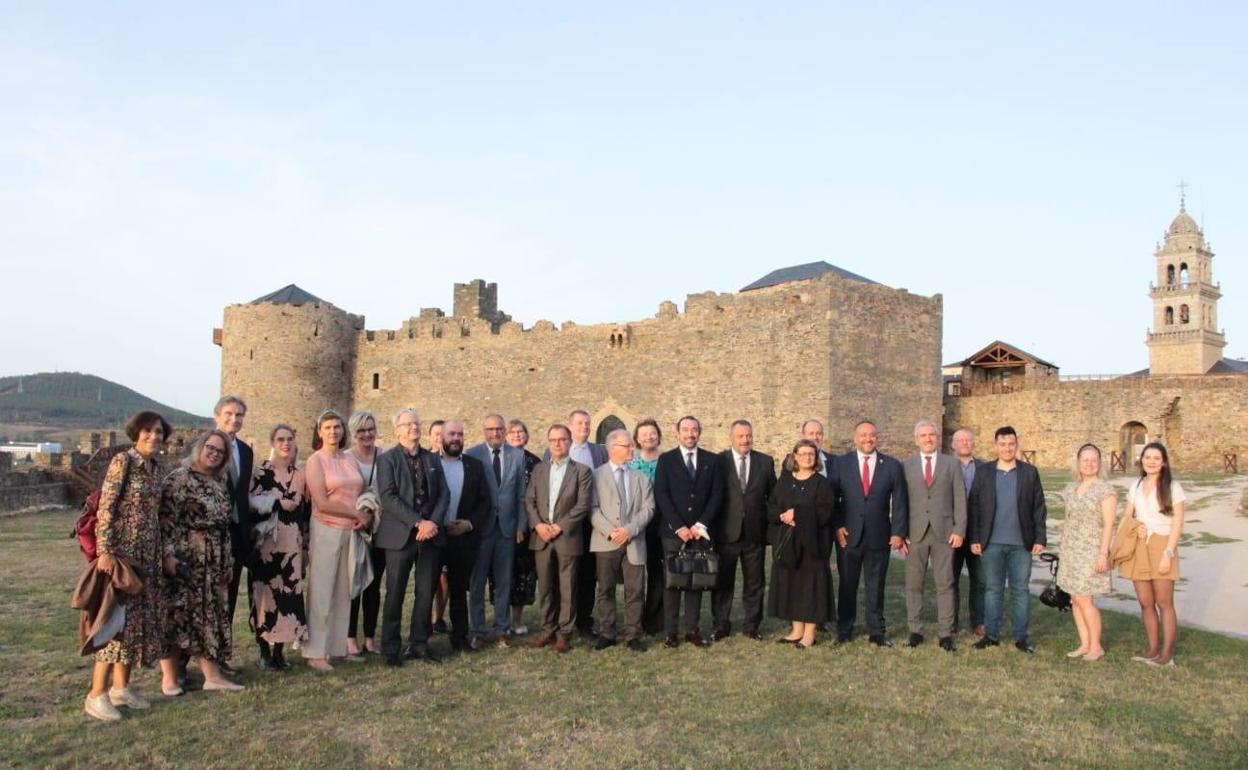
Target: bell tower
point(1185, 338)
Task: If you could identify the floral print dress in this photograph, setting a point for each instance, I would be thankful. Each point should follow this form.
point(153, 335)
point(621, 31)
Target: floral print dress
point(194, 524)
point(277, 612)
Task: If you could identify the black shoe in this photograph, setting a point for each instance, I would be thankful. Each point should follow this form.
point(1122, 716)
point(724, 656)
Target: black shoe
point(915, 640)
point(265, 662)
point(696, 639)
point(879, 641)
point(671, 642)
point(985, 643)
point(587, 633)
point(946, 644)
point(842, 639)
point(720, 634)
point(459, 644)
point(603, 643)
point(1024, 646)
point(751, 633)
point(636, 645)
point(826, 626)
point(394, 661)
point(439, 627)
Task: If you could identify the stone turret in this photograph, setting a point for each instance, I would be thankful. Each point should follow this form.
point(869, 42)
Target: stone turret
point(478, 299)
point(1185, 338)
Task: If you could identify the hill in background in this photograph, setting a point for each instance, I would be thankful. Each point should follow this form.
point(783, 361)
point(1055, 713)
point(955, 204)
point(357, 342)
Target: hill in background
point(72, 399)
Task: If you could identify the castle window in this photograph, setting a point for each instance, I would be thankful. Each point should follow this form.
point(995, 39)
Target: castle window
point(1169, 316)
point(1183, 276)
point(316, 329)
point(1184, 315)
point(376, 381)
point(1169, 275)
point(251, 354)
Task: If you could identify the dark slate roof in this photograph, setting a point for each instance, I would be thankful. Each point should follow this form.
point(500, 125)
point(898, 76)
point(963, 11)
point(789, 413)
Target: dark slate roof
point(1229, 366)
point(803, 273)
point(289, 294)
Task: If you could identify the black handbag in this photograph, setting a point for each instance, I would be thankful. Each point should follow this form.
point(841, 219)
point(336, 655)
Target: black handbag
point(1052, 595)
point(691, 569)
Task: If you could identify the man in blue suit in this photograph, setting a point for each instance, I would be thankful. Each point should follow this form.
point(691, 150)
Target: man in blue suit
point(504, 475)
point(870, 490)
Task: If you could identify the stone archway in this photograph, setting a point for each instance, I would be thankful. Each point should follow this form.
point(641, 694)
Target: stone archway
point(1132, 438)
point(608, 424)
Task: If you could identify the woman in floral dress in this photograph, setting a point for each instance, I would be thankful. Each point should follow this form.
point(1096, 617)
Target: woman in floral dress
point(195, 538)
point(1087, 530)
point(127, 529)
point(279, 512)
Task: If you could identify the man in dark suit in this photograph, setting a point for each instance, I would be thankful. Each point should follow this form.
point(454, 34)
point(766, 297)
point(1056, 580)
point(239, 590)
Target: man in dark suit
point(468, 513)
point(592, 456)
point(937, 507)
point(507, 526)
point(688, 493)
point(1008, 519)
point(414, 499)
point(870, 491)
point(557, 503)
point(963, 443)
point(740, 531)
point(229, 414)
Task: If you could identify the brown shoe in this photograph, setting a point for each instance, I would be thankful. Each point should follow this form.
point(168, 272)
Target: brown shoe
point(476, 644)
point(562, 644)
point(981, 632)
point(543, 639)
point(496, 640)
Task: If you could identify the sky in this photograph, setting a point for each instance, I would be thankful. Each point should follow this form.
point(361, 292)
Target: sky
point(159, 161)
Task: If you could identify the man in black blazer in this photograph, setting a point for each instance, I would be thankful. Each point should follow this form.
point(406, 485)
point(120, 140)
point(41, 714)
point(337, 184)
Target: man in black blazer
point(229, 414)
point(870, 491)
point(468, 512)
point(740, 531)
point(414, 498)
point(688, 493)
point(1007, 519)
point(963, 444)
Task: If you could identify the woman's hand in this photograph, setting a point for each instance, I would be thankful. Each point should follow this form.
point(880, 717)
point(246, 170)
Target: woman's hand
point(789, 517)
point(1163, 567)
point(290, 506)
point(1102, 563)
point(171, 565)
point(105, 563)
point(1141, 531)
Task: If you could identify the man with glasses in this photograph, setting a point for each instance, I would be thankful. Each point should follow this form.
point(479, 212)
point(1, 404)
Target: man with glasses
point(504, 475)
point(623, 506)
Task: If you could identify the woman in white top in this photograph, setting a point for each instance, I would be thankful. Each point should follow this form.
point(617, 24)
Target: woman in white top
point(1155, 507)
point(363, 430)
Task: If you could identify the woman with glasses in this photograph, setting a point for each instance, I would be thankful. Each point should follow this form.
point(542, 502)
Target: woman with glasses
point(363, 429)
point(279, 511)
point(800, 511)
point(198, 560)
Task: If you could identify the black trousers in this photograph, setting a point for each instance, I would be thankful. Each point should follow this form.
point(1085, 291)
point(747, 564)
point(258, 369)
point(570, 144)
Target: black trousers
point(869, 565)
point(369, 598)
point(975, 597)
point(424, 559)
point(586, 591)
point(459, 558)
point(672, 598)
point(652, 615)
point(751, 556)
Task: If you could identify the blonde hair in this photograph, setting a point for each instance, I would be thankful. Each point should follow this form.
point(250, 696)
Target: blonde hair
point(1100, 463)
point(273, 435)
point(198, 448)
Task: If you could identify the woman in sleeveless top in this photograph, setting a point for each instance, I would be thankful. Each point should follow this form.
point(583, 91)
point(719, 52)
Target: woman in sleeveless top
point(1083, 572)
point(363, 429)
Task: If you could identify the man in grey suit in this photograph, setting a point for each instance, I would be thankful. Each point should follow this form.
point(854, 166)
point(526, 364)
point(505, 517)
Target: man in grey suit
point(414, 498)
point(937, 528)
point(623, 506)
point(557, 503)
point(504, 475)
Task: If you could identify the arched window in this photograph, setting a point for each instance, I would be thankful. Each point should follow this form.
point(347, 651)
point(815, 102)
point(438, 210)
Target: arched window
point(1183, 276)
point(1184, 314)
point(1169, 316)
point(1169, 275)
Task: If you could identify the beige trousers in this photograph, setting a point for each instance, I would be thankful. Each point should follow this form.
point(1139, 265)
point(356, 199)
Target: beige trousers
point(329, 591)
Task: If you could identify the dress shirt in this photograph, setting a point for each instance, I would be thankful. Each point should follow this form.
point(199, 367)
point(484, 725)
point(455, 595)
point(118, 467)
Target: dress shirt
point(871, 460)
point(615, 474)
point(968, 475)
point(557, 472)
point(502, 460)
point(453, 467)
point(736, 465)
point(923, 460)
point(581, 453)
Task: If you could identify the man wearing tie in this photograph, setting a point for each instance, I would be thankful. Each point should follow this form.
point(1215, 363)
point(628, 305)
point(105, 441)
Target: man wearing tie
point(740, 532)
point(229, 414)
point(870, 489)
point(623, 506)
point(557, 503)
point(688, 493)
point(937, 507)
point(592, 456)
point(504, 475)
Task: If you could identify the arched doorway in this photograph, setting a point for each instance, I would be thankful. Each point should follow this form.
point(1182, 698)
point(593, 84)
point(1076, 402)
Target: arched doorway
point(1133, 437)
point(608, 424)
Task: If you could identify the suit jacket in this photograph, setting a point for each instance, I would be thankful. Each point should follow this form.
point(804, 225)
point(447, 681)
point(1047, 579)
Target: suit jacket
point(240, 491)
point(507, 497)
point(607, 513)
point(942, 507)
point(475, 505)
point(1032, 512)
point(683, 501)
point(743, 516)
point(396, 486)
point(883, 513)
point(596, 451)
point(571, 507)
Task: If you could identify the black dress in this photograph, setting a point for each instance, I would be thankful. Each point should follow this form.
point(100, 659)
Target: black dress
point(801, 579)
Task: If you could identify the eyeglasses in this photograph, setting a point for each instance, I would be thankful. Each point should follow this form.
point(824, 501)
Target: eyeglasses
point(405, 425)
point(623, 446)
point(213, 450)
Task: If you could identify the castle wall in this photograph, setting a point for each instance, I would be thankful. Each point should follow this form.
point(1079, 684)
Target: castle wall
point(1198, 418)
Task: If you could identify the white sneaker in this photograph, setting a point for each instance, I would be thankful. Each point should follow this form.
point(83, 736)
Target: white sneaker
point(101, 709)
point(126, 697)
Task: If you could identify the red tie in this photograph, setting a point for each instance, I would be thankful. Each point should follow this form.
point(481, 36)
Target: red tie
point(866, 476)
point(927, 472)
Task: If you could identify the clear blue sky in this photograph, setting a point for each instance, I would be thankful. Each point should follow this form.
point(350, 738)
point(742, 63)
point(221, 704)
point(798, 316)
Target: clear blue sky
point(160, 161)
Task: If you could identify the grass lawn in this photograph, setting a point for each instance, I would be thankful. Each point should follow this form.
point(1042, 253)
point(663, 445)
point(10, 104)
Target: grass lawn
point(741, 703)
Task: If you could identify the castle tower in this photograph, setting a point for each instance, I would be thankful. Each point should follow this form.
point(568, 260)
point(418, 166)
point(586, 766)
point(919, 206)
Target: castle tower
point(289, 355)
point(1185, 338)
point(478, 299)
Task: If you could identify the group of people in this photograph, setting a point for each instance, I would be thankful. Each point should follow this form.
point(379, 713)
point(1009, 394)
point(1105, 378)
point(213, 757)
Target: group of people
point(495, 522)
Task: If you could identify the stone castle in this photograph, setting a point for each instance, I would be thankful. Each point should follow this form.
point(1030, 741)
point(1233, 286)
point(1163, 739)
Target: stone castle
point(808, 341)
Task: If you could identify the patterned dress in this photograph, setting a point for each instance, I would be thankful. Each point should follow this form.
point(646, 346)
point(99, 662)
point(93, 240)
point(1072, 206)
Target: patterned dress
point(128, 529)
point(1081, 540)
point(194, 525)
point(277, 612)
